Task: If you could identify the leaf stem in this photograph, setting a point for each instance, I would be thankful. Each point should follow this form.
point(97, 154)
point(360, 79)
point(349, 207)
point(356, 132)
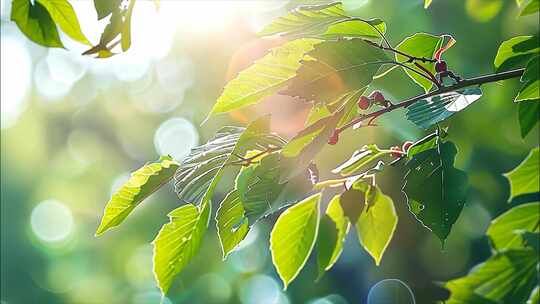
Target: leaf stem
point(462, 84)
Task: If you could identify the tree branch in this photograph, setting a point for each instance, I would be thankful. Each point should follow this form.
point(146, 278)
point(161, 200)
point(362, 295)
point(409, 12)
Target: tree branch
point(462, 84)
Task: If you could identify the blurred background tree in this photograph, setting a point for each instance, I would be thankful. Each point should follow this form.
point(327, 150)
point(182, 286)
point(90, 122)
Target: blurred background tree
point(71, 123)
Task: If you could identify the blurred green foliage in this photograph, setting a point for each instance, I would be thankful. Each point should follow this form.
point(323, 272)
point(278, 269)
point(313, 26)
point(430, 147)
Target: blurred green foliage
point(81, 125)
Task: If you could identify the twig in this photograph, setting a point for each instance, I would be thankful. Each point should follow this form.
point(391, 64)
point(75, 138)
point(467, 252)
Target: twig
point(463, 84)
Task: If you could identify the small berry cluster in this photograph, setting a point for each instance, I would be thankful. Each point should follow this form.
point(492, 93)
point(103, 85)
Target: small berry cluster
point(376, 97)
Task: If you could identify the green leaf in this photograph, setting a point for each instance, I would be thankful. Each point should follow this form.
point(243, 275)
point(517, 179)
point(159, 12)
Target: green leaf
point(530, 8)
point(35, 22)
point(327, 20)
point(126, 29)
point(525, 178)
point(426, 143)
point(435, 190)
point(353, 202)
point(317, 112)
point(198, 169)
point(230, 222)
point(360, 159)
point(293, 237)
point(64, 16)
point(516, 52)
point(265, 77)
point(528, 113)
point(178, 242)
point(333, 229)
point(140, 185)
point(259, 188)
point(299, 152)
point(429, 111)
point(502, 230)
point(334, 68)
point(105, 7)
point(531, 88)
point(419, 45)
point(377, 224)
point(506, 277)
point(427, 3)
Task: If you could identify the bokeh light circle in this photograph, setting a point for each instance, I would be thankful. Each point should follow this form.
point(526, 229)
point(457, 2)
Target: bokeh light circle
point(260, 289)
point(176, 137)
point(390, 291)
point(51, 221)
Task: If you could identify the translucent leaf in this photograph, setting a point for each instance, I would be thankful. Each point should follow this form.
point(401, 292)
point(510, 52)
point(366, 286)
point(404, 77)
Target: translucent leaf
point(427, 3)
point(429, 111)
point(419, 45)
point(202, 164)
point(530, 8)
point(178, 242)
point(265, 77)
point(327, 20)
point(293, 237)
point(230, 222)
point(528, 113)
point(435, 190)
point(531, 87)
point(525, 178)
point(140, 185)
point(506, 277)
point(105, 7)
point(35, 22)
point(502, 230)
point(334, 68)
point(377, 224)
point(64, 16)
point(333, 229)
point(516, 52)
point(360, 159)
point(535, 296)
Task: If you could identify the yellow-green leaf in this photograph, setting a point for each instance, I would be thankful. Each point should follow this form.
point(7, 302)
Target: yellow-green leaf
point(427, 3)
point(265, 77)
point(178, 241)
point(333, 229)
point(531, 87)
point(377, 224)
point(293, 237)
point(515, 52)
point(525, 178)
point(35, 22)
point(231, 223)
point(530, 8)
point(64, 16)
point(502, 230)
point(140, 185)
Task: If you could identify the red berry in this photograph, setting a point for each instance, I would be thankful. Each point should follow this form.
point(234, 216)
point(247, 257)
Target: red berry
point(364, 103)
point(333, 138)
point(396, 154)
point(406, 145)
point(441, 66)
point(378, 97)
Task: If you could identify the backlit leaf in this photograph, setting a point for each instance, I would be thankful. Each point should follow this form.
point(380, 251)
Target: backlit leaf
point(178, 242)
point(333, 229)
point(265, 77)
point(525, 178)
point(64, 16)
point(369, 154)
point(327, 20)
point(435, 190)
point(506, 277)
point(230, 222)
point(293, 237)
point(502, 230)
point(105, 7)
point(35, 22)
point(202, 164)
point(530, 8)
point(429, 111)
point(516, 52)
point(531, 87)
point(377, 224)
point(140, 185)
point(334, 68)
point(419, 45)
